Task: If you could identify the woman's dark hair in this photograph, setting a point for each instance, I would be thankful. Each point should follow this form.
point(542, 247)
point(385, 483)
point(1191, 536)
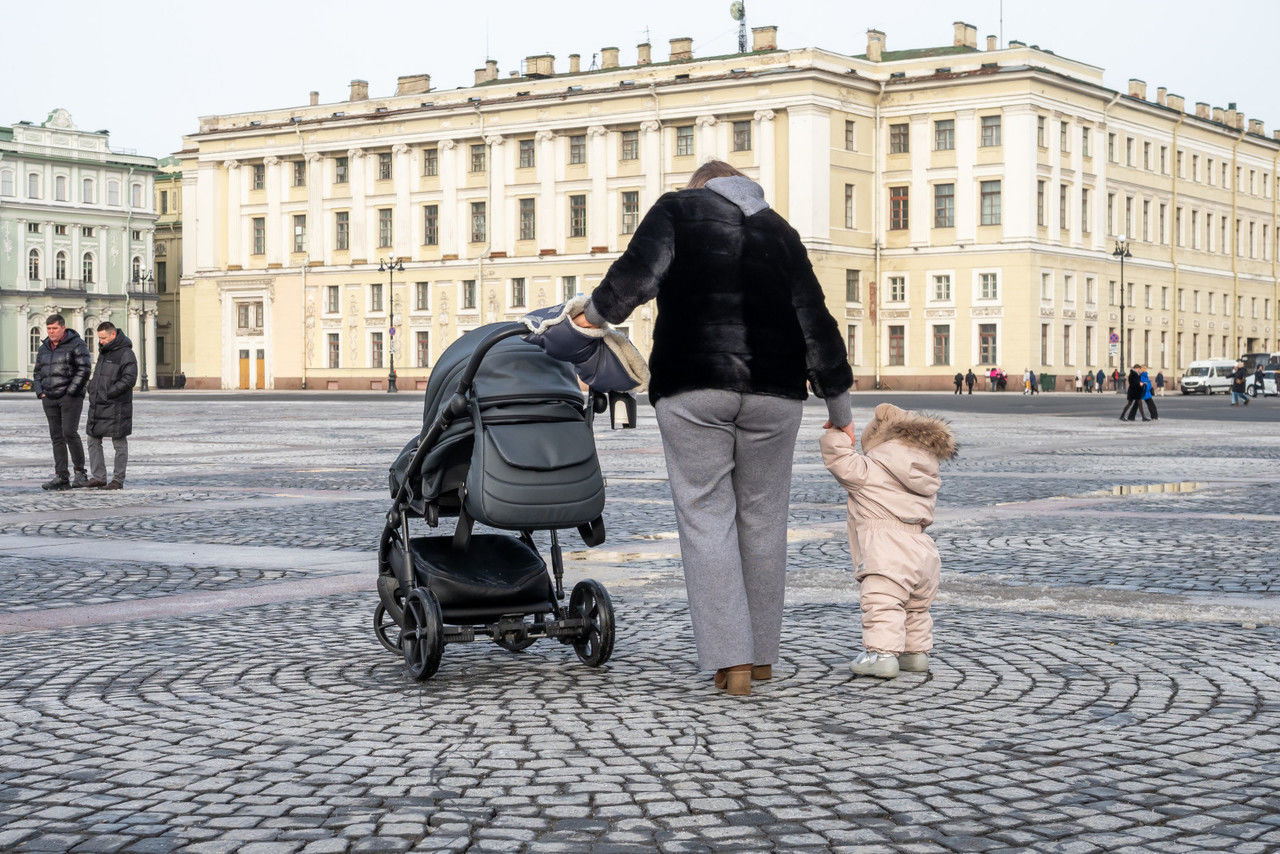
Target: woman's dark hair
point(711, 169)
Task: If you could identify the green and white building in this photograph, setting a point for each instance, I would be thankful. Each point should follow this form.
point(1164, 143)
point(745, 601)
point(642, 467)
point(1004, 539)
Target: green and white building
point(77, 229)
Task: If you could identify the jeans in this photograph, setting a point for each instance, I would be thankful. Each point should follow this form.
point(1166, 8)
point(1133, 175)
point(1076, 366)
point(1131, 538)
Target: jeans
point(98, 464)
point(1238, 397)
point(63, 415)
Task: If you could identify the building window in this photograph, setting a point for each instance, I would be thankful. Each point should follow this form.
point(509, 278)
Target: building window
point(86, 268)
point(942, 344)
point(34, 337)
point(1064, 140)
point(259, 235)
point(33, 186)
point(987, 354)
point(851, 343)
point(517, 293)
point(850, 135)
point(1084, 142)
point(578, 216)
point(848, 206)
point(742, 136)
point(422, 338)
point(988, 286)
point(258, 176)
point(342, 230)
point(299, 233)
point(431, 162)
point(113, 194)
point(1068, 288)
point(630, 211)
point(990, 191)
point(334, 347)
point(899, 139)
point(375, 349)
point(897, 289)
point(421, 296)
point(898, 207)
point(853, 286)
point(944, 205)
point(86, 190)
point(1128, 151)
point(942, 288)
point(477, 157)
point(578, 149)
point(1063, 189)
point(385, 231)
point(299, 173)
point(630, 145)
point(340, 170)
point(1084, 209)
point(33, 228)
point(990, 131)
point(430, 225)
point(527, 219)
point(1146, 156)
point(164, 201)
point(477, 222)
point(1041, 136)
point(1090, 290)
point(1045, 330)
point(249, 317)
point(86, 231)
point(375, 297)
point(568, 288)
point(1046, 287)
point(1066, 345)
point(62, 230)
point(60, 266)
point(944, 135)
point(6, 183)
point(525, 154)
point(331, 297)
point(136, 234)
point(897, 345)
point(384, 165)
point(468, 299)
point(60, 188)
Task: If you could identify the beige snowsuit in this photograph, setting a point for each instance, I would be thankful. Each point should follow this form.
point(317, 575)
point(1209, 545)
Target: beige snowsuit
point(893, 489)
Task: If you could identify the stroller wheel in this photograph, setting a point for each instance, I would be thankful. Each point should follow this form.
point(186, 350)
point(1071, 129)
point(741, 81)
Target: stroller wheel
point(590, 602)
point(422, 639)
point(386, 630)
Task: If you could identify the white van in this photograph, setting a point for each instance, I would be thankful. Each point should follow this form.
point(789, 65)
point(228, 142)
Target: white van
point(1208, 376)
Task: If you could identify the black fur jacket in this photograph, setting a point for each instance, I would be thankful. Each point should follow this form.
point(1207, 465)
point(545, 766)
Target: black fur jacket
point(739, 307)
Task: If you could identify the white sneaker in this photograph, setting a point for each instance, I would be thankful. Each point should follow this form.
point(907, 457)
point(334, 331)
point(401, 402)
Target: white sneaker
point(882, 665)
point(914, 662)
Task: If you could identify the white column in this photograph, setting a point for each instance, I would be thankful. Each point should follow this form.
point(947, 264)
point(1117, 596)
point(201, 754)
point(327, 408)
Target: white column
point(233, 225)
point(809, 175)
point(545, 206)
point(450, 234)
point(495, 209)
point(765, 154)
point(598, 205)
point(149, 327)
point(278, 249)
point(404, 237)
point(966, 188)
point(1018, 192)
point(706, 130)
point(650, 162)
point(192, 199)
point(921, 198)
point(357, 181)
point(317, 229)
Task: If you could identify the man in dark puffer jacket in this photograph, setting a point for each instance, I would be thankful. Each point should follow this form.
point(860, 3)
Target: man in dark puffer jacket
point(61, 374)
point(742, 324)
point(111, 405)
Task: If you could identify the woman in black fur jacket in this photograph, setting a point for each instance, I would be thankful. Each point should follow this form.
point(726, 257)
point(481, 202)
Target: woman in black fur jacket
point(742, 326)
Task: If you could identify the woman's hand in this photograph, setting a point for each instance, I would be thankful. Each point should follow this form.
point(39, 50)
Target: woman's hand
point(846, 429)
point(581, 320)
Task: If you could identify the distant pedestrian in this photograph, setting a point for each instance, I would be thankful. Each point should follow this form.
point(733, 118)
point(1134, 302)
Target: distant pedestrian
point(994, 375)
point(1133, 398)
point(1160, 383)
point(958, 379)
point(1259, 378)
point(1088, 382)
point(1079, 382)
point(111, 405)
point(969, 379)
point(1102, 380)
point(1115, 380)
point(1147, 397)
point(1026, 381)
point(1002, 380)
point(61, 374)
point(1239, 377)
point(1034, 382)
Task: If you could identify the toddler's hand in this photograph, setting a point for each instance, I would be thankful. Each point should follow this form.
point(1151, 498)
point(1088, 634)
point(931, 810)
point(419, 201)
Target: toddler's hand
point(846, 429)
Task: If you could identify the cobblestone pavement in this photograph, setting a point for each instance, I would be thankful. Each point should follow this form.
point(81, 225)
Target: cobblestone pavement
point(1104, 679)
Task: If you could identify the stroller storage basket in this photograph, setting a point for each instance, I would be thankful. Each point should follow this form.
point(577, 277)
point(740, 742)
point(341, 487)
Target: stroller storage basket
point(496, 575)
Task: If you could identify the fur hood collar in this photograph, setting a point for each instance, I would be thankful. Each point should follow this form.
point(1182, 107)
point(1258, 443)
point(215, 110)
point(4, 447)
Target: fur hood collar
point(925, 432)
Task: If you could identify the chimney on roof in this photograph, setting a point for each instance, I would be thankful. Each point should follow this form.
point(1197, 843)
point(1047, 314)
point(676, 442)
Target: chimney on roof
point(1202, 110)
point(1161, 95)
point(608, 57)
point(575, 63)
point(966, 35)
point(764, 38)
point(359, 90)
point(1275, 134)
point(413, 84)
point(1219, 115)
point(992, 44)
point(681, 48)
point(1230, 115)
point(1016, 43)
point(1137, 88)
point(315, 97)
point(875, 45)
point(1255, 126)
point(1177, 102)
point(489, 72)
point(644, 54)
point(542, 65)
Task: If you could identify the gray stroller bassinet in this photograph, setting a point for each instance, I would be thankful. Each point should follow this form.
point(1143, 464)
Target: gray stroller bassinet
point(507, 442)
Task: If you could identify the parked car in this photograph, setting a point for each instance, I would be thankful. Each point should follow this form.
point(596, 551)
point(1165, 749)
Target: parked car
point(1207, 376)
point(18, 384)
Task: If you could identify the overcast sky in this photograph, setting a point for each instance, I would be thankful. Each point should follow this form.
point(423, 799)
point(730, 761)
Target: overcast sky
point(147, 69)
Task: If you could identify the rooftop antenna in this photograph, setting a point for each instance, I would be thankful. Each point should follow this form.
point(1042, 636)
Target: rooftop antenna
point(738, 11)
point(646, 35)
point(1001, 23)
point(595, 62)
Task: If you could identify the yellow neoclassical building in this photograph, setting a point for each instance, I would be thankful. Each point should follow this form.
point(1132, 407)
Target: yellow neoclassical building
point(961, 205)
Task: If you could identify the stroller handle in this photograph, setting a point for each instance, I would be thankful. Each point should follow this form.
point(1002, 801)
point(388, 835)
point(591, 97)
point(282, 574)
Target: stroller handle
point(456, 407)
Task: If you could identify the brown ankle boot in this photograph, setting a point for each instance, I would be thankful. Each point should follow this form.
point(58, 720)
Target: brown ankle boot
point(762, 672)
point(736, 680)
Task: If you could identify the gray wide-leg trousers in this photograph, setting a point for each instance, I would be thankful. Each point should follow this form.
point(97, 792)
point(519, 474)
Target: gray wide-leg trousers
point(729, 464)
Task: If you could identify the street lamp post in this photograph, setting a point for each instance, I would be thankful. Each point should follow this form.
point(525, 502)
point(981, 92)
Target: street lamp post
point(143, 281)
point(1122, 252)
point(390, 266)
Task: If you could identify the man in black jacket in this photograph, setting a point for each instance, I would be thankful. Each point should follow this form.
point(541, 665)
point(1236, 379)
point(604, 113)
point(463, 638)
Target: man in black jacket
point(61, 374)
point(111, 405)
point(1133, 400)
point(969, 379)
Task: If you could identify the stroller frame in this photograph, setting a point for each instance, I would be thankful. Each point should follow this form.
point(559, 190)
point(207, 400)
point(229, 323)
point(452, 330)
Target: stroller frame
point(587, 622)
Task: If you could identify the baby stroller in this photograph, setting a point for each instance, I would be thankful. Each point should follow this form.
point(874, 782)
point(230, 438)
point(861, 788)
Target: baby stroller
point(507, 441)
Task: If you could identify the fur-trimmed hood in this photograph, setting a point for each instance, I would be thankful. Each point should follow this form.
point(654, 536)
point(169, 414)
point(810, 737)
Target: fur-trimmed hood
point(909, 445)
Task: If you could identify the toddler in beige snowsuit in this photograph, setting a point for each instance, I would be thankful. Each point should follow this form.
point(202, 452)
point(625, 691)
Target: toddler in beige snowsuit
point(893, 489)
